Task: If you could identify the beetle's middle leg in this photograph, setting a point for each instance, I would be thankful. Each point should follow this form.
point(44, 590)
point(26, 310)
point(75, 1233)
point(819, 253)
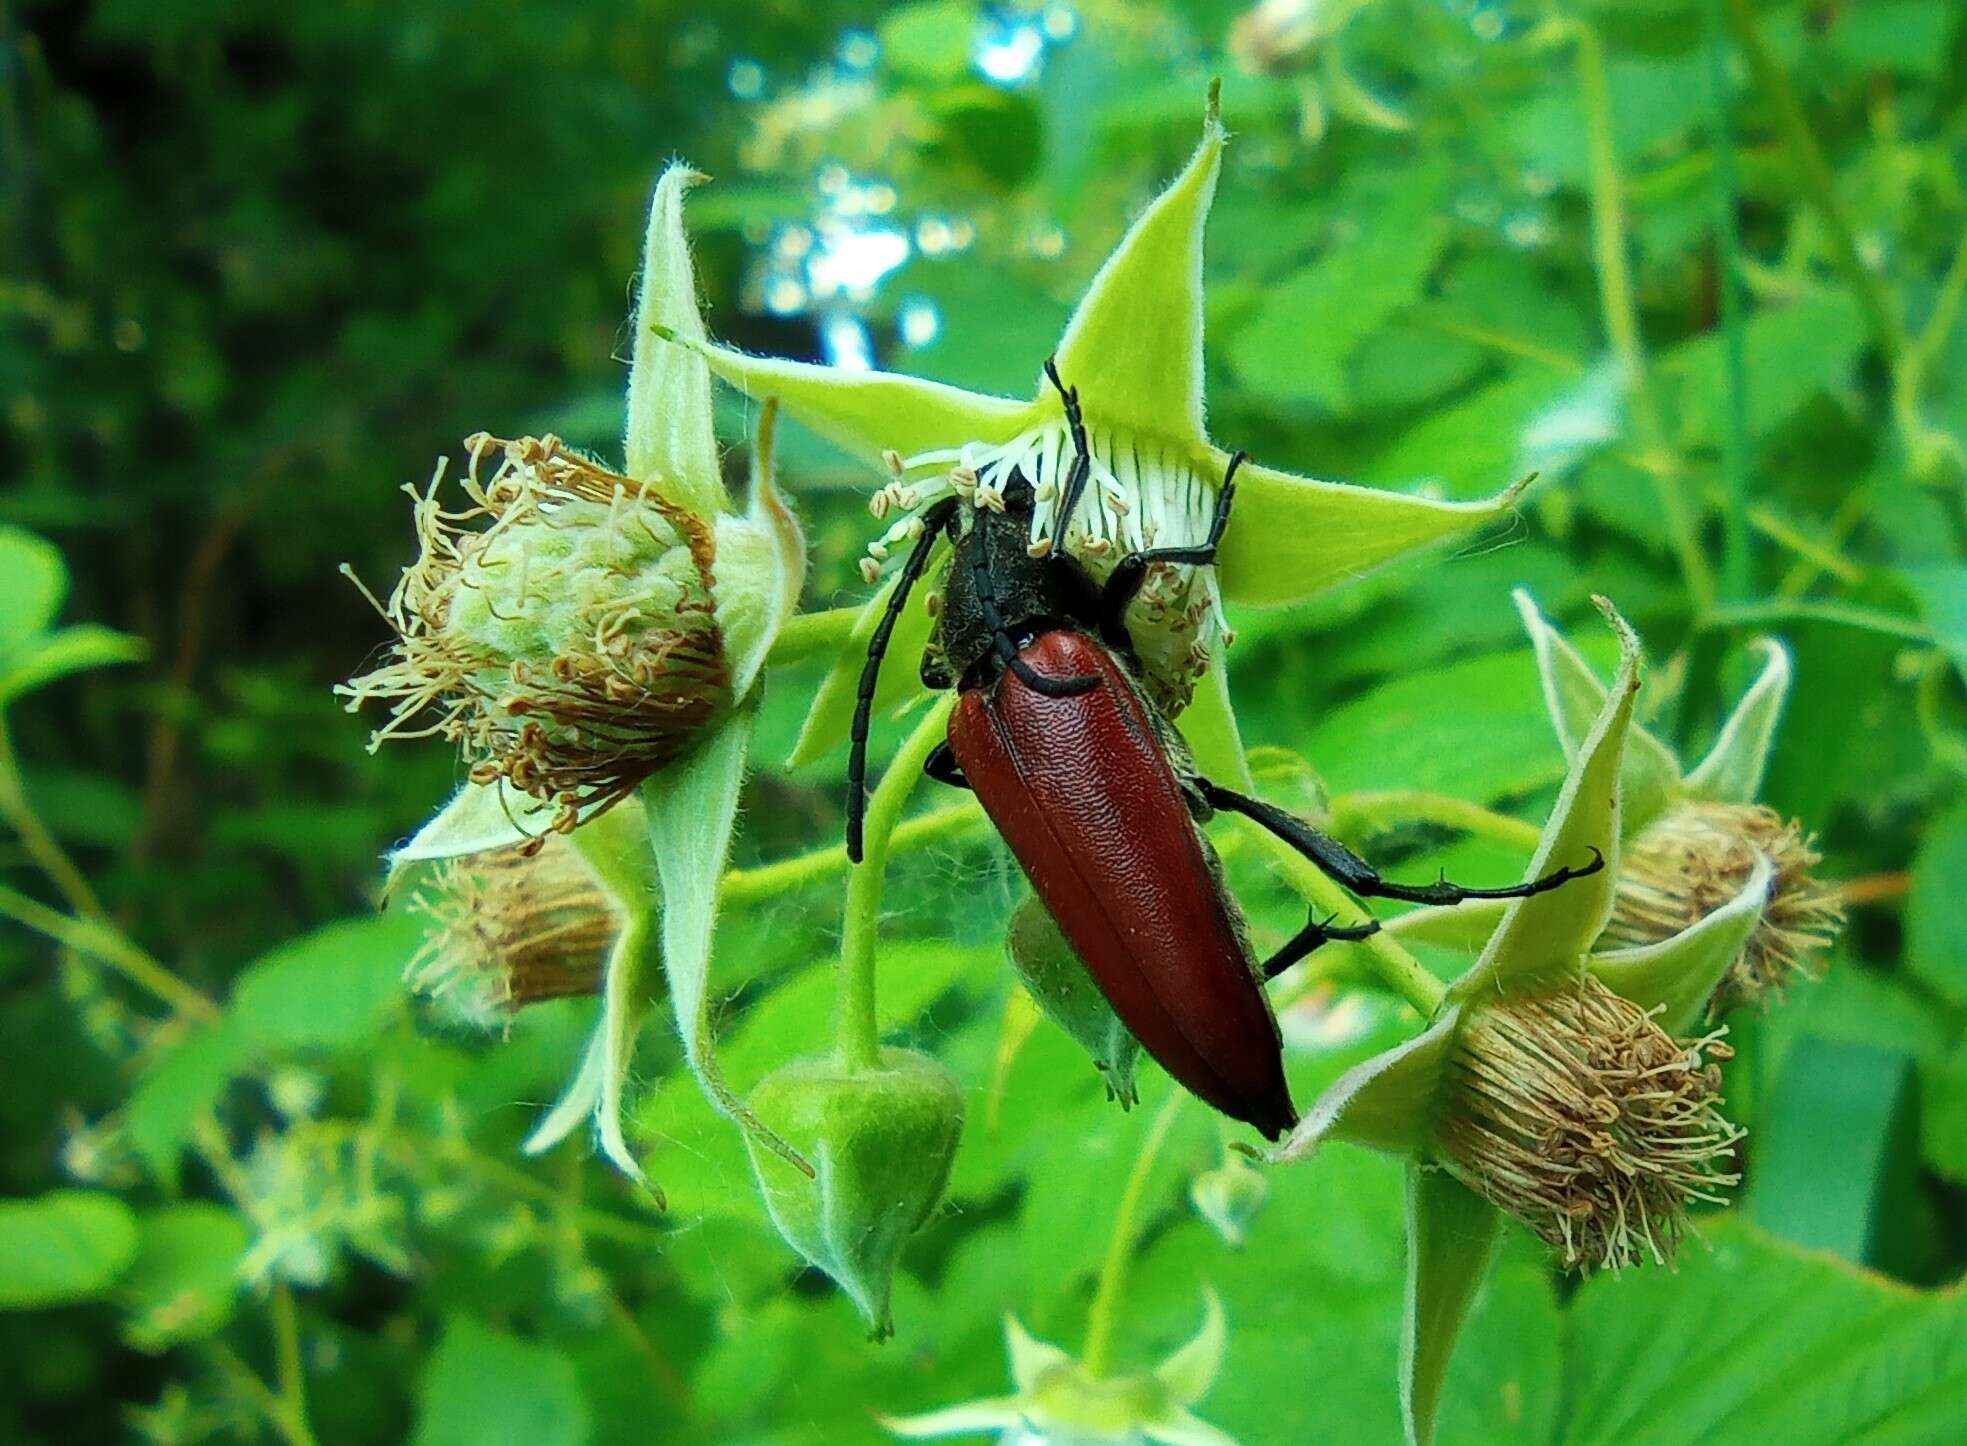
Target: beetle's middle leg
point(1350, 870)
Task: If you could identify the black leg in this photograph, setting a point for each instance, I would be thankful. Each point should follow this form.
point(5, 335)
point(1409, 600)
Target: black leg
point(1131, 571)
point(1345, 866)
point(1315, 932)
point(942, 767)
point(1002, 648)
point(1082, 457)
point(933, 522)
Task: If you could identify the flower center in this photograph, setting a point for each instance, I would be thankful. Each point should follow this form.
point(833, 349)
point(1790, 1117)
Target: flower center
point(1139, 495)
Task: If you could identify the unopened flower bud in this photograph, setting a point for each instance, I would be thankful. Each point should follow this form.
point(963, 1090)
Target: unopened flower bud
point(1061, 986)
point(884, 1140)
point(561, 628)
point(1699, 855)
point(510, 928)
point(1229, 1197)
point(1576, 1113)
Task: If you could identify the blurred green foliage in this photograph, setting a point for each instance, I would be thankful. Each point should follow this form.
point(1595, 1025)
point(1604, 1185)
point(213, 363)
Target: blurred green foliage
point(262, 262)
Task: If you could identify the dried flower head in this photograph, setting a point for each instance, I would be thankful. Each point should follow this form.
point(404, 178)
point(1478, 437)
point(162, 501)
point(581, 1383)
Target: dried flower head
point(510, 928)
point(560, 628)
point(1576, 1113)
point(1696, 857)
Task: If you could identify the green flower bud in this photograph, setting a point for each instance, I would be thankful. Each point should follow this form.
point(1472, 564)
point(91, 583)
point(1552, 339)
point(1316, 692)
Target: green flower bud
point(511, 927)
point(1229, 1197)
point(561, 628)
point(884, 1140)
point(1696, 857)
point(1063, 988)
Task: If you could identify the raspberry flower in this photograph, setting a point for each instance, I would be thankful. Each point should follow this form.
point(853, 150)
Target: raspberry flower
point(1553, 1083)
point(1059, 1400)
point(1692, 837)
point(589, 637)
point(1133, 349)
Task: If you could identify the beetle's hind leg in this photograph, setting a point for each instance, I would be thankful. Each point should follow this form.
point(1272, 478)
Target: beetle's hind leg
point(1347, 868)
point(1315, 932)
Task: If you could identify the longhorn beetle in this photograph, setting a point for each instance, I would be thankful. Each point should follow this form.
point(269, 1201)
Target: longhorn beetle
point(1097, 796)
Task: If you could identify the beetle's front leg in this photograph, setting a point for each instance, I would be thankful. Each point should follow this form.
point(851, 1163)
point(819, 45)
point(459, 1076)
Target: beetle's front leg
point(1347, 868)
point(941, 765)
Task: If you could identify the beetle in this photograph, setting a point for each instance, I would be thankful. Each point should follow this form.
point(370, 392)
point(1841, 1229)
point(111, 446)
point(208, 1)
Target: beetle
point(1096, 794)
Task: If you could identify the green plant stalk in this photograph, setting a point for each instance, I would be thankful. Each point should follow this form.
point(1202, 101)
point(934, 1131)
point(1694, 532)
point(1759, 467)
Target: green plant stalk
point(1419, 806)
point(1399, 970)
point(108, 946)
point(1735, 544)
point(287, 1361)
point(1819, 186)
point(812, 635)
point(1761, 614)
point(859, 1028)
point(1621, 318)
point(1097, 1356)
point(766, 881)
point(47, 854)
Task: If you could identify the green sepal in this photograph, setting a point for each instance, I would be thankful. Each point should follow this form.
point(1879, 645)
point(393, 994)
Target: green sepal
point(1543, 939)
point(1732, 771)
point(1451, 1235)
point(1679, 974)
point(1575, 699)
point(1387, 1103)
point(670, 442)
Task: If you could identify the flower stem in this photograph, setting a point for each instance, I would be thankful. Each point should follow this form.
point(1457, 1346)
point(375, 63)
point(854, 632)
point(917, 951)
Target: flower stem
point(1621, 317)
point(809, 635)
point(859, 1029)
point(1419, 806)
point(1097, 1357)
point(40, 844)
point(1399, 970)
point(288, 1371)
point(110, 946)
point(766, 881)
point(1735, 559)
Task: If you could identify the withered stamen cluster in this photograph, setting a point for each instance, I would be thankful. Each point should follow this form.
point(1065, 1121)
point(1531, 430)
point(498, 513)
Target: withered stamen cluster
point(560, 628)
point(1698, 857)
point(510, 928)
point(1575, 1112)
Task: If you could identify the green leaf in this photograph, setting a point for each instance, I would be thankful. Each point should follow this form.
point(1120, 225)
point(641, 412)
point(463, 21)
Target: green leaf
point(484, 1388)
point(1837, 1134)
point(71, 650)
point(669, 440)
point(1298, 345)
point(930, 39)
point(1942, 592)
point(184, 1282)
point(65, 1246)
point(177, 1088)
point(1753, 1340)
point(1936, 906)
point(1134, 345)
point(1792, 354)
point(36, 583)
point(331, 989)
point(1451, 1234)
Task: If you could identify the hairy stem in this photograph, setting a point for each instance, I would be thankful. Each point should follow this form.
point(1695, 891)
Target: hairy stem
point(766, 881)
point(47, 854)
point(859, 1029)
point(107, 945)
point(1097, 1357)
point(1735, 559)
point(1413, 805)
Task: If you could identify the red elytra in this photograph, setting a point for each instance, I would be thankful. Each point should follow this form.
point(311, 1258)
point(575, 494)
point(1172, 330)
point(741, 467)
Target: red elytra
point(1081, 789)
